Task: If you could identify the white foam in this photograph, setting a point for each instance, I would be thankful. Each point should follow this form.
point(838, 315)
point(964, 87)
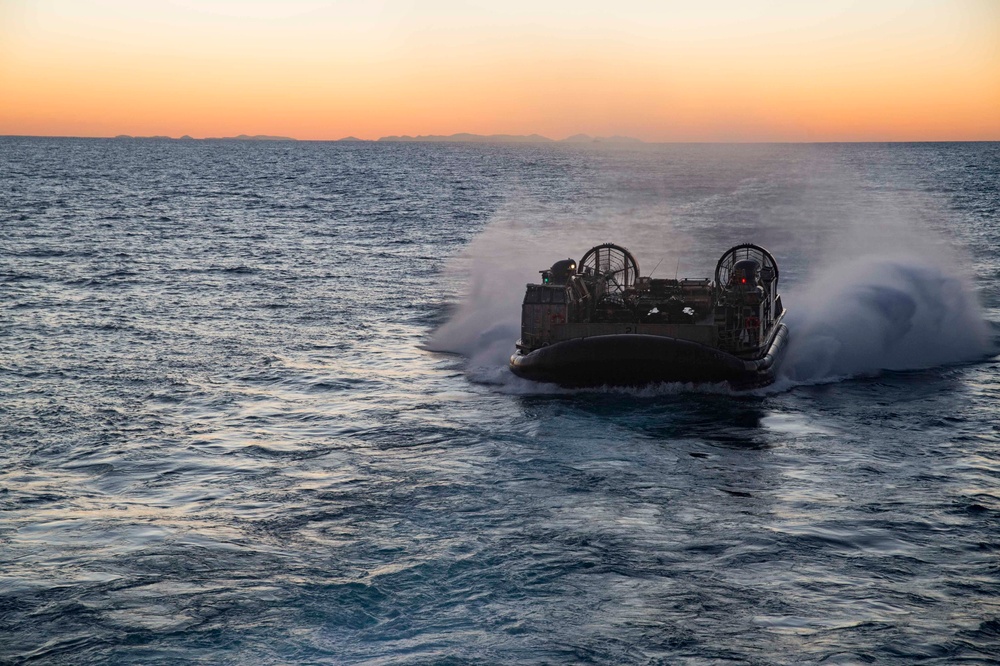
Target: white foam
point(882, 313)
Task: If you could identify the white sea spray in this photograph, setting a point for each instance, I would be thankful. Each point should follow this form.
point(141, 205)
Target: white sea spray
point(882, 313)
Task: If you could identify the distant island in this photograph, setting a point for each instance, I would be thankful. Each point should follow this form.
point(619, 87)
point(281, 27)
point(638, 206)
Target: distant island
point(508, 138)
point(241, 137)
point(462, 137)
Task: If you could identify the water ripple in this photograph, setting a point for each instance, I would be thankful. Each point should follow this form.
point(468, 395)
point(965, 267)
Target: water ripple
point(225, 439)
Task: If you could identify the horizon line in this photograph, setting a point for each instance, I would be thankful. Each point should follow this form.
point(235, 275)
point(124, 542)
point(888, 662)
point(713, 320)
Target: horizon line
point(399, 138)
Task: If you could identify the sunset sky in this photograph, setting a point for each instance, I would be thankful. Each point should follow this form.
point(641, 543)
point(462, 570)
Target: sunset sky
point(667, 70)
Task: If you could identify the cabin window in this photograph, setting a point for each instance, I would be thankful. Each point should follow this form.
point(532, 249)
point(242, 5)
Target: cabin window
point(546, 295)
point(532, 296)
point(559, 296)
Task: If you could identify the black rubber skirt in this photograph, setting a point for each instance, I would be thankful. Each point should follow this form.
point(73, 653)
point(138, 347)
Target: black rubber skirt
point(635, 360)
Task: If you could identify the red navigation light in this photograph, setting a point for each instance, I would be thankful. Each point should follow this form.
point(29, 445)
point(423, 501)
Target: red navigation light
point(744, 280)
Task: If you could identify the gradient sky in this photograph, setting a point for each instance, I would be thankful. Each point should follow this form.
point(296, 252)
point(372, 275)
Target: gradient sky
point(698, 70)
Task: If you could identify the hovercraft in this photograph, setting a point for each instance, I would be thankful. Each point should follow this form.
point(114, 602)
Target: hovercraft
point(597, 322)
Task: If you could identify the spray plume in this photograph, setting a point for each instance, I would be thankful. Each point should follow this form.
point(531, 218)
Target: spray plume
point(864, 297)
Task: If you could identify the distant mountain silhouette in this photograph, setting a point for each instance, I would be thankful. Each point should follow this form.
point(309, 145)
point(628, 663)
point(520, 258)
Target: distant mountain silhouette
point(241, 137)
point(465, 137)
point(473, 138)
point(462, 137)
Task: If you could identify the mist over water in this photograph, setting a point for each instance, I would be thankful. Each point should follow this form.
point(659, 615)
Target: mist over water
point(226, 437)
point(883, 313)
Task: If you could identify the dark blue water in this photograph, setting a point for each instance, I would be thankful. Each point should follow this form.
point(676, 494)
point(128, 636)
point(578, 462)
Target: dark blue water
point(254, 409)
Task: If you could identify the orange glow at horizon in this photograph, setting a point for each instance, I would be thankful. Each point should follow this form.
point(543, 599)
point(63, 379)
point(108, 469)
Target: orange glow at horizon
point(717, 70)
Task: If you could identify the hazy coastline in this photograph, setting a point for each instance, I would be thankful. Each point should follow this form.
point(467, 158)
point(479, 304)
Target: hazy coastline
point(461, 137)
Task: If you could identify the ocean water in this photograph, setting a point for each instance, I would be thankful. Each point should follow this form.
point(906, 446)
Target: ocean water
point(254, 409)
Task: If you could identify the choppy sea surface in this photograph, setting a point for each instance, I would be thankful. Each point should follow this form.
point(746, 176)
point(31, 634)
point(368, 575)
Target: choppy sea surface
point(254, 409)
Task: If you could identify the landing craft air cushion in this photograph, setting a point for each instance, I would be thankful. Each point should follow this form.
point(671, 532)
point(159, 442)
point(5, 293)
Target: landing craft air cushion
point(597, 322)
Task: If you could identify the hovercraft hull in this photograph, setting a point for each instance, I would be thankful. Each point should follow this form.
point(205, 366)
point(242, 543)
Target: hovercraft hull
point(636, 360)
